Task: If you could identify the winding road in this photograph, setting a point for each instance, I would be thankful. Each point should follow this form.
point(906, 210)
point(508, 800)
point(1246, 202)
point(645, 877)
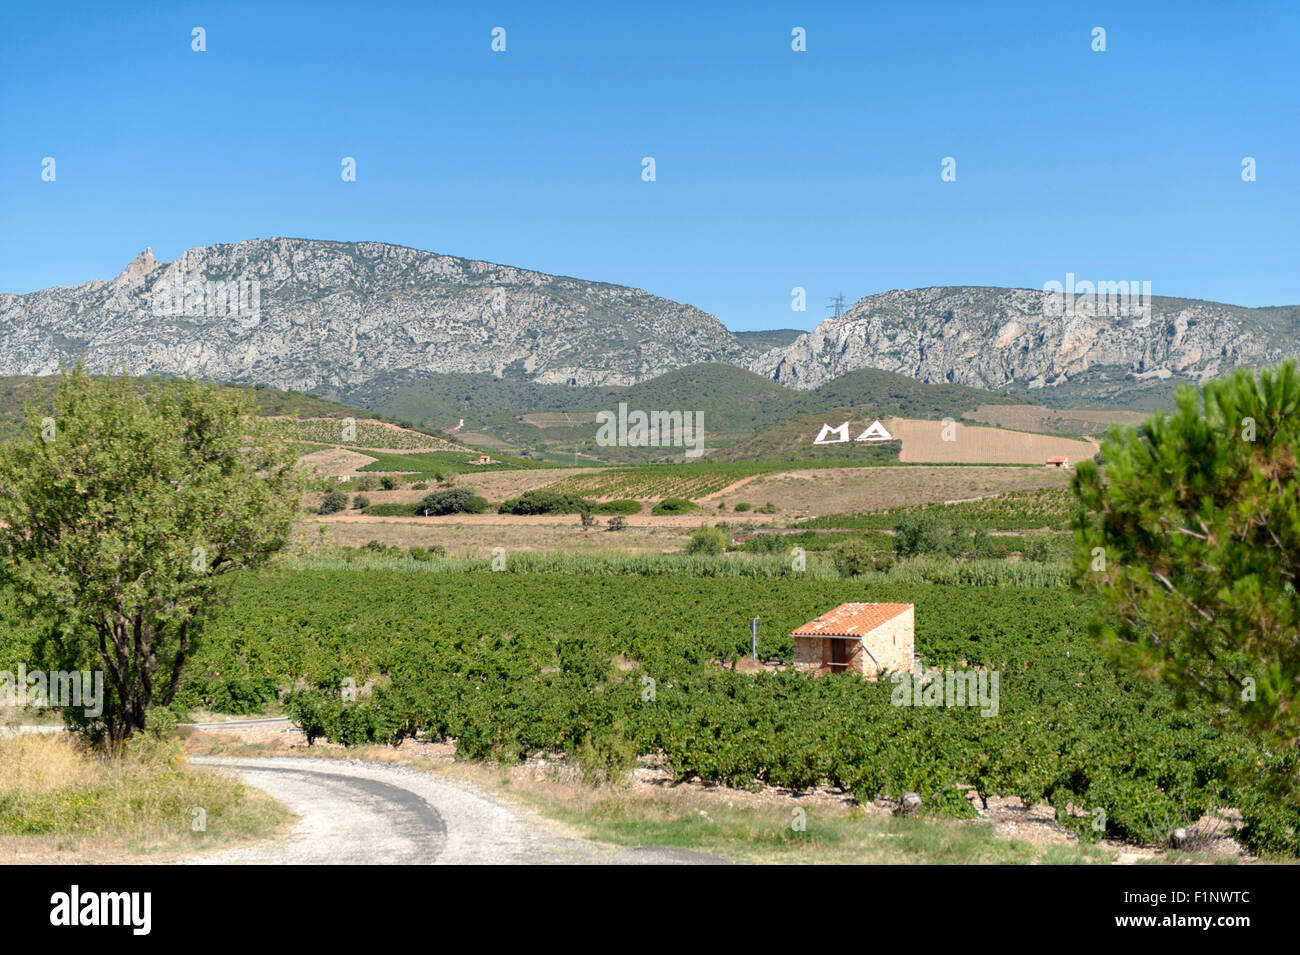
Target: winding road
point(365, 813)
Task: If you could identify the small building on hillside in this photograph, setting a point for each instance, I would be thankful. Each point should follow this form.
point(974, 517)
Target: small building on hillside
point(1058, 461)
point(484, 459)
point(867, 638)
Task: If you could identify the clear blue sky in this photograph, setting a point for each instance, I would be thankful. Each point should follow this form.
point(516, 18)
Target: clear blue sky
point(774, 168)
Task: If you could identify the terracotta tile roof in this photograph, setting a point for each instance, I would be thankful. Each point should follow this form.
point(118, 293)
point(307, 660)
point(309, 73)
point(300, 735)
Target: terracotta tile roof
point(851, 620)
point(1059, 457)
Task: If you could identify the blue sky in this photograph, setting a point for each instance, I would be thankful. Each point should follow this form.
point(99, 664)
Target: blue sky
point(774, 169)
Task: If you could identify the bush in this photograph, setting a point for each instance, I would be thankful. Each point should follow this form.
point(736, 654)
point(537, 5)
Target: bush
point(858, 557)
point(390, 510)
point(390, 482)
point(617, 523)
point(765, 543)
point(365, 483)
point(918, 533)
point(455, 501)
point(675, 505)
point(743, 506)
point(333, 502)
point(420, 486)
point(621, 506)
point(427, 553)
point(768, 508)
point(546, 502)
point(707, 540)
point(360, 502)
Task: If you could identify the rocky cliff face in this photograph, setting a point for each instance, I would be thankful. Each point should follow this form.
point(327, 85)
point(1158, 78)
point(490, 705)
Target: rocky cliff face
point(331, 317)
point(312, 315)
point(998, 338)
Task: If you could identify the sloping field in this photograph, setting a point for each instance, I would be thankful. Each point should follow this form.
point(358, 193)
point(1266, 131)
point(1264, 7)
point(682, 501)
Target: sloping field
point(1060, 421)
point(333, 462)
point(923, 442)
point(370, 434)
point(853, 490)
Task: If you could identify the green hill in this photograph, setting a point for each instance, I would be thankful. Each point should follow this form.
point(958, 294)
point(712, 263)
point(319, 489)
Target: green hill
point(738, 405)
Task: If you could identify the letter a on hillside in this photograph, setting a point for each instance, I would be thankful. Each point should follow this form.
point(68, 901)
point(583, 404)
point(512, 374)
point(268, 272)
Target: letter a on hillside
point(824, 436)
point(876, 432)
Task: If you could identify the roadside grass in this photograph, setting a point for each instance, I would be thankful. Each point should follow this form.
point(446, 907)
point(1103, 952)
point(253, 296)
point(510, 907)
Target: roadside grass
point(62, 802)
point(728, 823)
point(831, 835)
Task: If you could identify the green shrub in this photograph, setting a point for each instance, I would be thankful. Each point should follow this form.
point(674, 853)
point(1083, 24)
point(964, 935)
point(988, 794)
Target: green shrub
point(743, 506)
point(391, 509)
point(617, 523)
point(707, 540)
point(360, 502)
point(918, 533)
point(675, 505)
point(621, 506)
point(765, 543)
point(333, 502)
point(858, 557)
point(768, 508)
point(460, 500)
point(390, 482)
point(543, 501)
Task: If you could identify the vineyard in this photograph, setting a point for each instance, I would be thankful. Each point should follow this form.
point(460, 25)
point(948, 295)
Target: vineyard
point(511, 665)
point(369, 434)
point(1052, 509)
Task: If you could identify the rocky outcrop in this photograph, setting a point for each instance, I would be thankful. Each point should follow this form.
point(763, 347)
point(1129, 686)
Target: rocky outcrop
point(995, 338)
point(313, 315)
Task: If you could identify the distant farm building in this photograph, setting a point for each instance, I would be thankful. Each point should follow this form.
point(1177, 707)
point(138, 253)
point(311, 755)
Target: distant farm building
point(484, 459)
point(867, 638)
point(1059, 461)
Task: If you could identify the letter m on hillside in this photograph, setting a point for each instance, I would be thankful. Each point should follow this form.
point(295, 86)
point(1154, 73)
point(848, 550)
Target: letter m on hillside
point(840, 434)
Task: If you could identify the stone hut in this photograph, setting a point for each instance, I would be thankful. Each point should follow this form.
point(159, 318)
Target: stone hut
point(867, 638)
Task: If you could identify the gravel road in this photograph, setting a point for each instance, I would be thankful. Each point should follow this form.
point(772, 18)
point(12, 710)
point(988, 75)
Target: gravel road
point(362, 813)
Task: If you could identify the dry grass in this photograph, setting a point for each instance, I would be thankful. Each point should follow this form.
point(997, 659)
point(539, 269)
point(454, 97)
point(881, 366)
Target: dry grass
point(746, 826)
point(923, 441)
point(331, 462)
point(474, 535)
point(63, 803)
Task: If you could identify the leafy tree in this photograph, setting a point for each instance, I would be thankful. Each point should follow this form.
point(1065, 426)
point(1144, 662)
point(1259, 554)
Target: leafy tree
point(390, 482)
point(333, 502)
point(918, 533)
point(123, 509)
point(456, 501)
point(1191, 536)
point(360, 502)
point(707, 540)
